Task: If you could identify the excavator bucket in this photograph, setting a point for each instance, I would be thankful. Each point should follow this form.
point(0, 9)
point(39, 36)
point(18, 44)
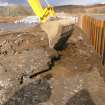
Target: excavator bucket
point(55, 30)
point(41, 12)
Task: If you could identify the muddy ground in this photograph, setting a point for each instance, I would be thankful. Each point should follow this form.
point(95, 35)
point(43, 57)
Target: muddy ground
point(31, 73)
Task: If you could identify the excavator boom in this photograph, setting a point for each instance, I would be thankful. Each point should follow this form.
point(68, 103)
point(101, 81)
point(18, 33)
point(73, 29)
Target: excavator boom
point(41, 12)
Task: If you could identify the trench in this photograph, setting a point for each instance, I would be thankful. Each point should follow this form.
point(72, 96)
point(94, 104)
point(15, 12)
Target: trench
point(60, 46)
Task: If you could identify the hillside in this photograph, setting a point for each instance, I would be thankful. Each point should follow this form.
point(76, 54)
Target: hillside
point(97, 8)
point(19, 10)
point(16, 10)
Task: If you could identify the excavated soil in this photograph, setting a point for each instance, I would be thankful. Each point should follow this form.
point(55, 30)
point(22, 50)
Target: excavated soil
point(31, 73)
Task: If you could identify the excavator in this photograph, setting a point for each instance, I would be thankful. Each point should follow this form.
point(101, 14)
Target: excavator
point(54, 28)
point(42, 13)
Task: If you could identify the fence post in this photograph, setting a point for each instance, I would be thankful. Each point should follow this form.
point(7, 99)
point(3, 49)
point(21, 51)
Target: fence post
point(103, 55)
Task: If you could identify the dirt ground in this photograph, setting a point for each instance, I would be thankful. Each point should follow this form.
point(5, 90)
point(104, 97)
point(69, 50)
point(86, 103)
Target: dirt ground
point(33, 74)
point(75, 78)
point(9, 19)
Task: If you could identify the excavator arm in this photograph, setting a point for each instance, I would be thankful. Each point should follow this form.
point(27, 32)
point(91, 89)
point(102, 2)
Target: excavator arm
point(41, 12)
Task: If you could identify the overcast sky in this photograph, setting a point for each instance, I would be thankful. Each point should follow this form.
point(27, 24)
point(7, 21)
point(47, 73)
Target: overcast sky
point(84, 2)
point(60, 2)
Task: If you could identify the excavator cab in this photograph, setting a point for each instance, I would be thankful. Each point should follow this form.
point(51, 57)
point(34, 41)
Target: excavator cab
point(41, 12)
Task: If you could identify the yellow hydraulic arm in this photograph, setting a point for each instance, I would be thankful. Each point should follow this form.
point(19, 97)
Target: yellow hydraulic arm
point(43, 13)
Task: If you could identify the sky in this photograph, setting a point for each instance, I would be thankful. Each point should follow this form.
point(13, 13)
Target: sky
point(78, 2)
point(59, 2)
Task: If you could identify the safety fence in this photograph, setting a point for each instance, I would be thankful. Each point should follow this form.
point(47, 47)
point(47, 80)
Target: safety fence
point(95, 28)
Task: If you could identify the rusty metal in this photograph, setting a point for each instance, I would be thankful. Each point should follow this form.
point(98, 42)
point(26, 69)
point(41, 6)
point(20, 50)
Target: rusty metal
point(96, 30)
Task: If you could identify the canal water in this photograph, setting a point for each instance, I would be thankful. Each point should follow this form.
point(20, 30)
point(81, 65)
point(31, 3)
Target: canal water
point(13, 26)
